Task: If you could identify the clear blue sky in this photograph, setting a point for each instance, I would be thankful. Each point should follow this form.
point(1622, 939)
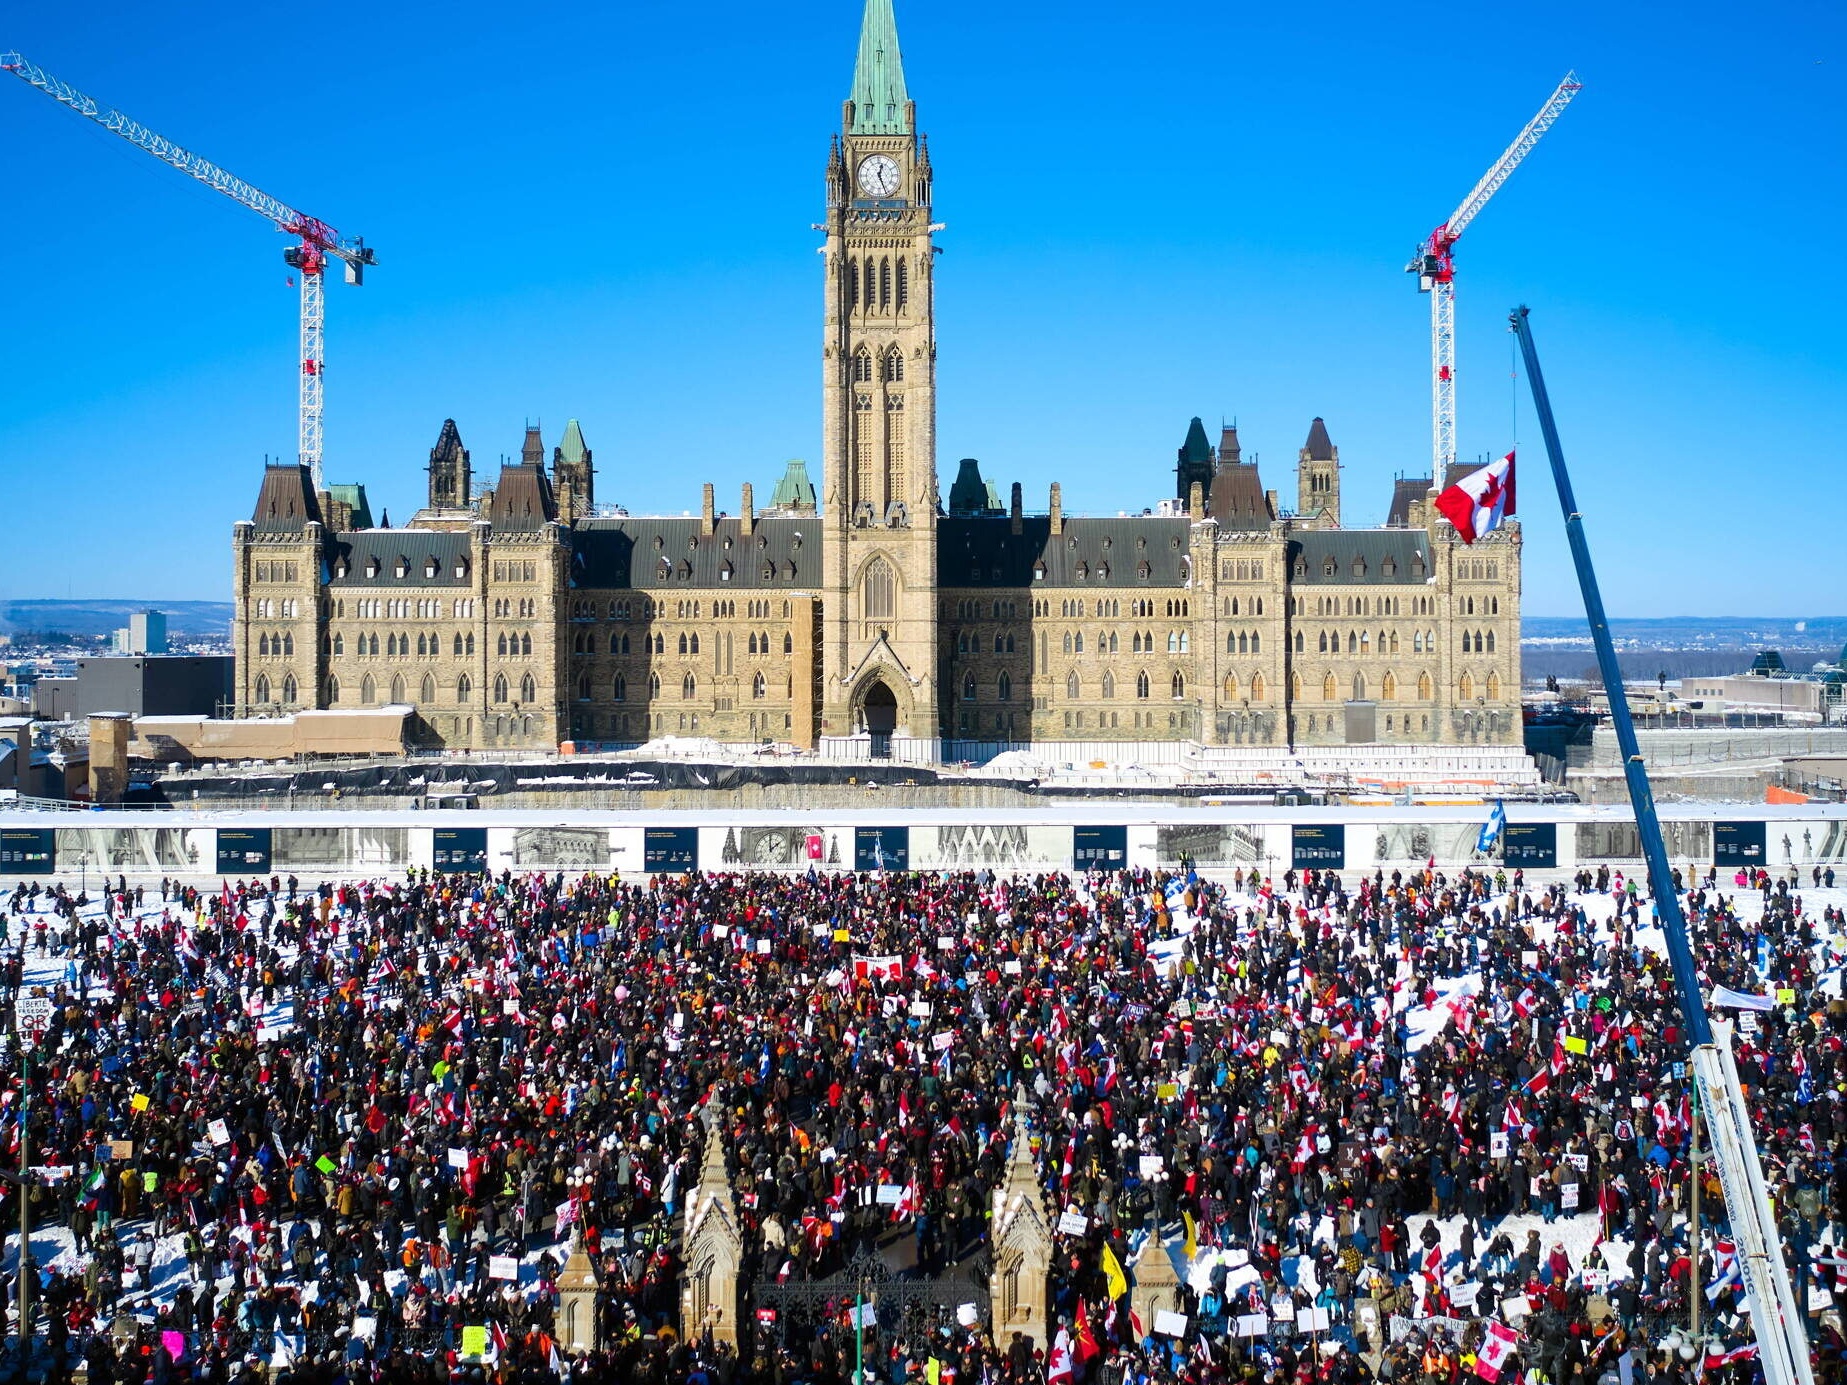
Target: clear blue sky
point(1153, 212)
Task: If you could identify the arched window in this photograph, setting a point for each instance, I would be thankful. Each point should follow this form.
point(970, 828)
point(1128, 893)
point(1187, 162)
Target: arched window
point(426, 694)
point(1322, 645)
point(788, 644)
point(1388, 687)
point(1300, 646)
point(1077, 642)
point(263, 646)
point(368, 691)
point(464, 687)
point(683, 642)
point(1258, 691)
point(397, 688)
point(1359, 687)
point(333, 690)
point(1073, 689)
point(1491, 641)
point(1004, 689)
point(872, 282)
point(751, 643)
point(1494, 689)
point(1423, 687)
point(583, 687)
point(1141, 685)
point(654, 685)
point(968, 686)
point(1329, 692)
point(689, 688)
point(1109, 684)
point(1179, 686)
point(894, 365)
point(1231, 685)
point(877, 591)
point(500, 688)
point(262, 689)
point(1465, 689)
point(500, 646)
point(904, 289)
point(885, 282)
point(757, 686)
point(422, 650)
point(528, 690)
point(618, 689)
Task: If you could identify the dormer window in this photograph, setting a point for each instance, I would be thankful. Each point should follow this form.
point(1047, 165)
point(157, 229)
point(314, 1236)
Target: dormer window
point(372, 567)
point(430, 568)
point(1039, 572)
point(1083, 571)
point(461, 569)
point(1329, 568)
point(339, 569)
point(402, 568)
point(1359, 566)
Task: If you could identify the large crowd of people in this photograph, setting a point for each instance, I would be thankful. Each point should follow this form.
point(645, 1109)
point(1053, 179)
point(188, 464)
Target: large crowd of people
point(349, 1131)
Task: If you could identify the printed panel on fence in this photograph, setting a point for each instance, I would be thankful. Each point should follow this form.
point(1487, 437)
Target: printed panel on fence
point(1621, 841)
point(1099, 848)
point(881, 848)
point(1318, 846)
point(1738, 844)
point(459, 849)
point(793, 845)
point(243, 850)
point(1530, 845)
point(671, 849)
point(1219, 845)
point(138, 850)
point(28, 851)
point(340, 849)
point(986, 846)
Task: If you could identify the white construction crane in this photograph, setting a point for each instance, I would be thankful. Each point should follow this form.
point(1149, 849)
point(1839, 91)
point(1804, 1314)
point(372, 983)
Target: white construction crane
point(1434, 265)
point(309, 259)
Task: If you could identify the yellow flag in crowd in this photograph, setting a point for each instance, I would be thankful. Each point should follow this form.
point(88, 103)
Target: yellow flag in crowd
point(1192, 1236)
point(1112, 1271)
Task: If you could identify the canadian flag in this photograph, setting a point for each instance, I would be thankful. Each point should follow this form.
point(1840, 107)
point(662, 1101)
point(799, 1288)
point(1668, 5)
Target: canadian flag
point(1495, 1348)
point(1480, 500)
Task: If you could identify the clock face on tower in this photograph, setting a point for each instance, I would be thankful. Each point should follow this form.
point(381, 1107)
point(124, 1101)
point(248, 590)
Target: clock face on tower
point(878, 175)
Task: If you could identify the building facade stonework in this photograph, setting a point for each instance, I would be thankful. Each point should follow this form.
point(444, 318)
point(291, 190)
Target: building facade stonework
point(873, 618)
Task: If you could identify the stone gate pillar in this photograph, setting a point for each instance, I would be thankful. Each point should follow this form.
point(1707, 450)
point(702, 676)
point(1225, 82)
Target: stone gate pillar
point(1022, 1239)
point(1157, 1285)
point(714, 1252)
point(579, 1328)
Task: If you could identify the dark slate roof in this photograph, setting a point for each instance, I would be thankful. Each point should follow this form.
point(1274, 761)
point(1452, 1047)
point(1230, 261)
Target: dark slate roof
point(1373, 546)
point(286, 501)
point(388, 547)
point(1319, 447)
point(523, 498)
point(1406, 491)
point(448, 443)
point(628, 552)
point(969, 494)
point(983, 551)
point(1237, 500)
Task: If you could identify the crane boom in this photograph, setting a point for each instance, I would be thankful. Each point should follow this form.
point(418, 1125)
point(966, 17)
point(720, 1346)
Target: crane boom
point(318, 239)
point(1776, 1314)
point(1434, 263)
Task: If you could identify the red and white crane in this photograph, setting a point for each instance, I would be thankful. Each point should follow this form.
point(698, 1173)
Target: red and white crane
point(1434, 264)
point(319, 241)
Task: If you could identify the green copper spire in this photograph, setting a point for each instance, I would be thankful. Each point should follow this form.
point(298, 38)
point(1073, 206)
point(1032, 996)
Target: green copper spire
point(879, 98)
point(572, 449)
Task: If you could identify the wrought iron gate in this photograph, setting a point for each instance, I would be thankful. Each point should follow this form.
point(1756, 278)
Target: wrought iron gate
point(906, 1307)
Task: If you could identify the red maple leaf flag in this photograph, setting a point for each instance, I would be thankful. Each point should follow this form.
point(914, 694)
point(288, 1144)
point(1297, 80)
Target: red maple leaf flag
point(1480, 500)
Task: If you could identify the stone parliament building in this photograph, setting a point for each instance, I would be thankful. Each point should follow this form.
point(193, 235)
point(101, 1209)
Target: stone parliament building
point(874, 619)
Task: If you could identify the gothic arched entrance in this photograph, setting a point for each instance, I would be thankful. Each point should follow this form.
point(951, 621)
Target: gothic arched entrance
point(878, 710)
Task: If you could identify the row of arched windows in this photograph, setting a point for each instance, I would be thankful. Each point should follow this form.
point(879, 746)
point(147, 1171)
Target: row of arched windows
point(1144, 685)
point(513, 646)
point(1477, 642)
point(282, 645)
point(260, 692)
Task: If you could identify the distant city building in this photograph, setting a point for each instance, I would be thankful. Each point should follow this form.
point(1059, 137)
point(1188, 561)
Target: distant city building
point(1770, 686)
point(146, 633)
point(872, 618)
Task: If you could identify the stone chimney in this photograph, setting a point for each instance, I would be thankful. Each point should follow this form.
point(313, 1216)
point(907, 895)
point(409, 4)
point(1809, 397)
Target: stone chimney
point(747, 511)
point(1015, 512)
point(708, 510)
point(1196, 501)
point(1058, 508)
